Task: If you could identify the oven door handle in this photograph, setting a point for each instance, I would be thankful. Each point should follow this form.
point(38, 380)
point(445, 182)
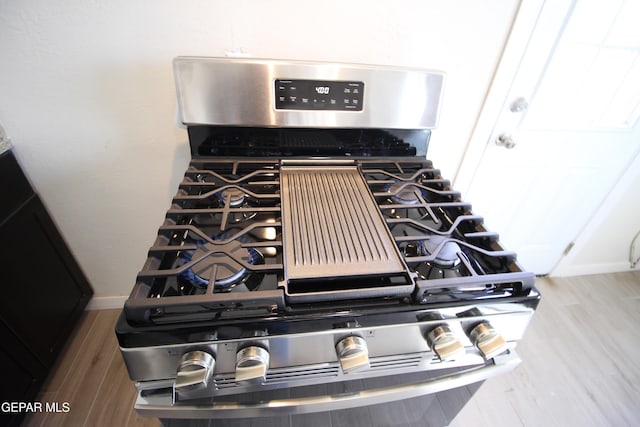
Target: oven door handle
point(160, 405)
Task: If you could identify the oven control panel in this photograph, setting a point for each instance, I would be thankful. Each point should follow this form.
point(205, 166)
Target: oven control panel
point(319, 95)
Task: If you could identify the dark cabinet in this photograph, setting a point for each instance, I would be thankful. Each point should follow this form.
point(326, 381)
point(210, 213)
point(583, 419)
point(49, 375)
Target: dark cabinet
point(43, 291)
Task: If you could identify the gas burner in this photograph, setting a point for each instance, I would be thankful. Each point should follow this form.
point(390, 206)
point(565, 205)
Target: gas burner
point(216, 219)
point(234, 206)
point(406, 196)
point(235, 197)
point(228, 272)
point(446, 252)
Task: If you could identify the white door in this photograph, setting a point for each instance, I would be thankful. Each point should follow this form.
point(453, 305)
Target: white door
point(566, 129)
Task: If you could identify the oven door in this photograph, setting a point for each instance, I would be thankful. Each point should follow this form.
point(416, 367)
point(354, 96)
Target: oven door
point(320, 398)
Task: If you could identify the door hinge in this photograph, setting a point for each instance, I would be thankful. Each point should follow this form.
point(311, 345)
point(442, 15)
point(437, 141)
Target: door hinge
point(568, 248)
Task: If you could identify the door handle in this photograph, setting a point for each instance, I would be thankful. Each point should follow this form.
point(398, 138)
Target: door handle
point(506, 141)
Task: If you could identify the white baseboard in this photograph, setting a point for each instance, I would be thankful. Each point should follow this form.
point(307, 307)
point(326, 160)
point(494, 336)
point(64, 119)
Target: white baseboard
point(588, 269)
point(105, 303)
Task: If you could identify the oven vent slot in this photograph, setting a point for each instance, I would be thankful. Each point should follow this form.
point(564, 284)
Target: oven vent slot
point(395, 362)
point(278, 375)
point(223, 382)
point(284, 374)
point(302, 373)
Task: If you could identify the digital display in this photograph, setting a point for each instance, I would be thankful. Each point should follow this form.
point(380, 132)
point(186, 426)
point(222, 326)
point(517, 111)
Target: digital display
point(319, 95)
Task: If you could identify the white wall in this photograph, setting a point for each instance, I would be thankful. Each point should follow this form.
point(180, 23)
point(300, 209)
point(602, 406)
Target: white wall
point(87, 95)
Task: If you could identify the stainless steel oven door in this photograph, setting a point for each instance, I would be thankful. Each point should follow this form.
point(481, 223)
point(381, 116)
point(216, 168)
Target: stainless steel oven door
point(160, 403)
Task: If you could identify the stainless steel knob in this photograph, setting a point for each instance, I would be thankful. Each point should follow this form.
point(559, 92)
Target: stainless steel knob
point(194, 371)
point(444, 343)
point(505, 141)
point(353, 354)
point(252, 364)
point(487, 340)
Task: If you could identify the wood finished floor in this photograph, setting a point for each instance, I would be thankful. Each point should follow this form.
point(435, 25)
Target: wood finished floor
point(581, 367)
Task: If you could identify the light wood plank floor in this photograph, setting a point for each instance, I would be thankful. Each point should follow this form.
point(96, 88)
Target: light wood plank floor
point(581, 366)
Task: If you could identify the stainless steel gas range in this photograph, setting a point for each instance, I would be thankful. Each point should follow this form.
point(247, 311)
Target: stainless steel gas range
point(312, 244)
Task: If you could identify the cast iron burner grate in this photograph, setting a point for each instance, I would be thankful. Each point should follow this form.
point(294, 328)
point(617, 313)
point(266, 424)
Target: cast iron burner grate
point(455, 257)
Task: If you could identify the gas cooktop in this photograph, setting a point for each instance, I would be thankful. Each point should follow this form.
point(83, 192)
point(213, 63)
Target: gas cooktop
point(263, 235)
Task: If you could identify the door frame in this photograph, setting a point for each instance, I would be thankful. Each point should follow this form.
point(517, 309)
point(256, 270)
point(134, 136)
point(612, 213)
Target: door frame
point(524, 22)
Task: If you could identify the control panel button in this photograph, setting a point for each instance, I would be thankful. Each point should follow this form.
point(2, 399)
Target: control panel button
point(444, 343)
point(194, 371)
point(252, 364)
point(487, 340)
point(353, 354)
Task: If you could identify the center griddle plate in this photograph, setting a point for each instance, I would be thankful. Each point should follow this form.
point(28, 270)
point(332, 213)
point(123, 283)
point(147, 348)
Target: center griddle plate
point(335, 239)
